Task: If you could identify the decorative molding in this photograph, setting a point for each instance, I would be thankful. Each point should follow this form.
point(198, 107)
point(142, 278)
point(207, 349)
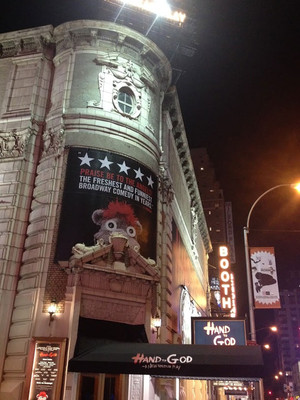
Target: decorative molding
point(194, 224)
point(165, 185)
point(108, 59)
point(14, 143)
point(116, 256)
point(53, 142)
point(112, 309)
point(127, 78)
point(26, 45)
point(136, 387)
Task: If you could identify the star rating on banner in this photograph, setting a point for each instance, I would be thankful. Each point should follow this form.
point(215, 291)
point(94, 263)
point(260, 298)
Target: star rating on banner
point(105, 163)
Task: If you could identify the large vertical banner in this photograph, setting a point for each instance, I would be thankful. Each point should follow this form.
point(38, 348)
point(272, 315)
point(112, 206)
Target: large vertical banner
point(264, 277)
point(99, 187)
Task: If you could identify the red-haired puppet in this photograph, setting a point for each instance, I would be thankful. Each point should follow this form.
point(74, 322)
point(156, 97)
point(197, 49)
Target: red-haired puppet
point(118, 218)
point(42, 396)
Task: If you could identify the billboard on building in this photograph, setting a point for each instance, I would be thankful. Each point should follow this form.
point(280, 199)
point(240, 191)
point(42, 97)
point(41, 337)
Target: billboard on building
point(218, 332)
point(264, 277)
point(106, 192)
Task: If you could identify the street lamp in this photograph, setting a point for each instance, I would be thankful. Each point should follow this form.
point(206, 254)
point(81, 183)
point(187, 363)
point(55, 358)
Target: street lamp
point(247, 256)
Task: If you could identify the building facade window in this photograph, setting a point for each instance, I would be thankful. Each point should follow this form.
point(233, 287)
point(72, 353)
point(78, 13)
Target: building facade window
point(125, 100)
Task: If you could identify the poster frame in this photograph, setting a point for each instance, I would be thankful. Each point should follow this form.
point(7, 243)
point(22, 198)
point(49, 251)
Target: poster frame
point(63, 342)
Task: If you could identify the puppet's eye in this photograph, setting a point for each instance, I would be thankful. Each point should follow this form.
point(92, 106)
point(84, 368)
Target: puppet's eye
point(111, 225)
point(131, 231)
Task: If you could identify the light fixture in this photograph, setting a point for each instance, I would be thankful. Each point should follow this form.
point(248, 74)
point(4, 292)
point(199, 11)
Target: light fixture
point(156, 324)
point(52, 309)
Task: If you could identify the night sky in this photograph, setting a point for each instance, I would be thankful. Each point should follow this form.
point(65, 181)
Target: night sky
point(240, 98)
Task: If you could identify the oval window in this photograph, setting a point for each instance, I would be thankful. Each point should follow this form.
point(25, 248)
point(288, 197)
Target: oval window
point(125, 101)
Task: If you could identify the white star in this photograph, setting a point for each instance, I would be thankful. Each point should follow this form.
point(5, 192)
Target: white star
point(105, 163)
point(86, 160)
point(123, 167)
point(150, 181)
point(138, 173)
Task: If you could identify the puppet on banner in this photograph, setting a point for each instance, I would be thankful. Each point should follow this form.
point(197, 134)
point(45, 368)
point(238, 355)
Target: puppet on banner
point(264, 277)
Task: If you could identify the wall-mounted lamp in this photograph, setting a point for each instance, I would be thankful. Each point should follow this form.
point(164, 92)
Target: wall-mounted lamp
point(156, 324)
point(52, 309)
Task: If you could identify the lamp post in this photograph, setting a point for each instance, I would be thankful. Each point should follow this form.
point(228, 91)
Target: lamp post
point(247, 256)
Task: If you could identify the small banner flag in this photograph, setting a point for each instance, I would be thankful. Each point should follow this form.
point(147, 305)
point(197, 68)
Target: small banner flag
point(264, 277)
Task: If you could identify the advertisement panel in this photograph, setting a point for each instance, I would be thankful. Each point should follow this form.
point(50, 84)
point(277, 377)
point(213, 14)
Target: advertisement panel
point(107, 193)
point(48, 369)
point(218, 332)
point(264, 277)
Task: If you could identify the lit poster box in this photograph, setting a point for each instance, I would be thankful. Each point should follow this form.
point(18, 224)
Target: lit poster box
point(45, 378)
point(218, 332)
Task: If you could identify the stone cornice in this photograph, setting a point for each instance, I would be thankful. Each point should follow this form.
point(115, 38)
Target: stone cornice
point(172, 105)
point(27, 41)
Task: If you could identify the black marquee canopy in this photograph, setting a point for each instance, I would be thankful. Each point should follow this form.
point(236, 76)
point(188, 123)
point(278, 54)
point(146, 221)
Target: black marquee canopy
point(95, 353)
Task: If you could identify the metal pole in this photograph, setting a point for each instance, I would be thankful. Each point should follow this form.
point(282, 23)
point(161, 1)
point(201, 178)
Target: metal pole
point(248, 263)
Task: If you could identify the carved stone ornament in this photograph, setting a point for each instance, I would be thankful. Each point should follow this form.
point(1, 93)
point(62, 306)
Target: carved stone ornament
point(13, 144)
point(29, 44)
point(165, 186)
point(53, 142)
point(118, 255)
point(194, 224)
point(108, 59)
point(128, 81)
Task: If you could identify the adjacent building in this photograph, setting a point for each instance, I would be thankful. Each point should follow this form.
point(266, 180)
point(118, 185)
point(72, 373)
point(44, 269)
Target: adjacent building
point(218, 215)
point(287, 320)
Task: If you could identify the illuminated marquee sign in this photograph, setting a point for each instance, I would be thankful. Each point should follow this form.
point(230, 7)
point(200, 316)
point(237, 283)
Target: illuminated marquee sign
point(228, 298)
point(158, 7)
point(218, 332)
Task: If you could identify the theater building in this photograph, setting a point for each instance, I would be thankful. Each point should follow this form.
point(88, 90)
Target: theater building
point(103, 244)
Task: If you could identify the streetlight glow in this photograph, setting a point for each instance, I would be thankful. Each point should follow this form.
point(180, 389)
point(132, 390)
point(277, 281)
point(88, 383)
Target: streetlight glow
point(297, 187)
point(274, 328)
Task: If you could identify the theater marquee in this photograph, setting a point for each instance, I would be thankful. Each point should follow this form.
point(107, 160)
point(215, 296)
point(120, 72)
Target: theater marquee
point(218, 332)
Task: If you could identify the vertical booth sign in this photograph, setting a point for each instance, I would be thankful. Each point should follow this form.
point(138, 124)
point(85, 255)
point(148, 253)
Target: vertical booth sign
point(227, 285)
point(100, 183)
point(48, 367)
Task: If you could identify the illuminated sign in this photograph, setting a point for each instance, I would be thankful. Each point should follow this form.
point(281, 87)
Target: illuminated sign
point(158, 7)
point(48, 369)
point(228, 298)
point(218, 332)
point(171, 361)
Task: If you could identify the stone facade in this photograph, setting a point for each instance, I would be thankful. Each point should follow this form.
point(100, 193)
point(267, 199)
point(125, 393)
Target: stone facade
point(101, 86)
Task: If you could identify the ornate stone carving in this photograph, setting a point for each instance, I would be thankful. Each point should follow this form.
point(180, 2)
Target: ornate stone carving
point(109, 59)
point(13, 144)
point(136, 387)
point(29, 44)
point(194, 224)
point(165, 185)
point(53, 142)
